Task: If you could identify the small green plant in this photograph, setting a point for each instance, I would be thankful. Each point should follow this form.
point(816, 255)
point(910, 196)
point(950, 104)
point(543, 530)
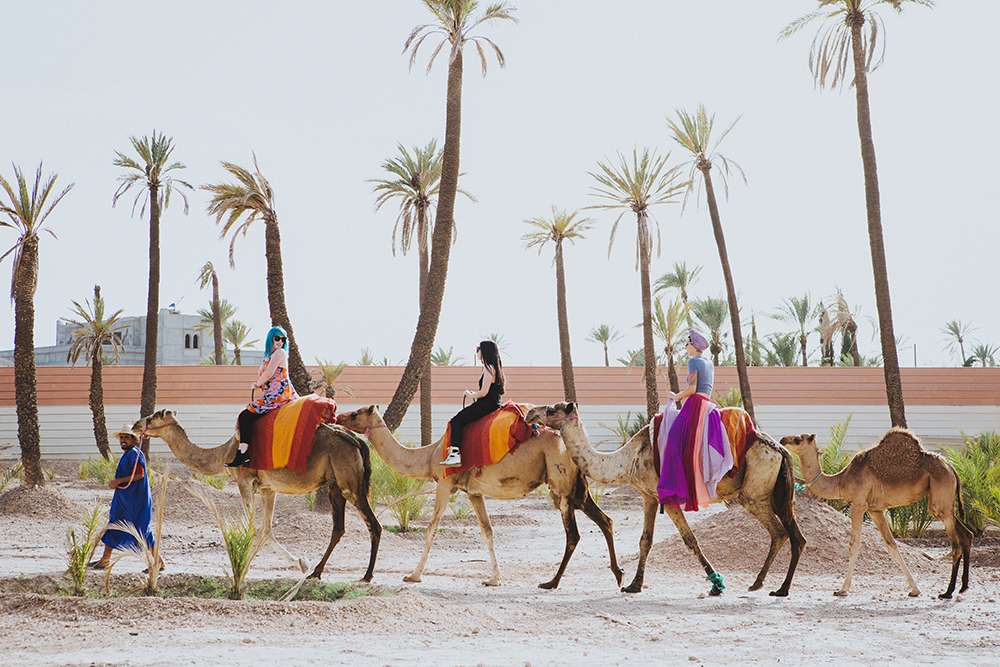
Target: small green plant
point(311, 501)
point(459, 509)
point(731, 399)
point(400, 494)
point(596, 490)
point(214, 481)
point(99, 469)
point(79, 549)
point(8, 475)
point(240, 538)
point(628, 425)
point(911, 520)
point(978, 468)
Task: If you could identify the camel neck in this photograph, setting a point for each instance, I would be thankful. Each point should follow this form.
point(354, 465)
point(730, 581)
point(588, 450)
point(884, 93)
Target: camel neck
point(208, 461)
point(408, 461)
point(822, 485)
point(610, 468)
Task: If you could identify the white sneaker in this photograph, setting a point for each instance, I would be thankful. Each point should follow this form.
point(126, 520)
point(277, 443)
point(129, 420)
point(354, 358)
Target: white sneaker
point(454, 458)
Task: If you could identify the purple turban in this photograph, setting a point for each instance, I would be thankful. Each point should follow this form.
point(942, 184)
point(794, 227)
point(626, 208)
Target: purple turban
point(699, 342)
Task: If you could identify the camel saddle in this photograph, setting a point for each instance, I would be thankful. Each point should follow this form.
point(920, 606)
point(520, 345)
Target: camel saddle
point(283, 438)
point(487, 440)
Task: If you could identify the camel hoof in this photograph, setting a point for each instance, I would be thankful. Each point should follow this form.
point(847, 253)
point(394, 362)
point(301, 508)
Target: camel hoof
point(780, 593)
point(412, 578)
point(944, 596)
point(715, 592)
point(549, 585)
point(963, 588)
point(841, 594)
point(914, 594)
point(367, 579)
point(316, 574)
point(619, 575)
point(756, 586)
point(632, 588)
point(494, 581)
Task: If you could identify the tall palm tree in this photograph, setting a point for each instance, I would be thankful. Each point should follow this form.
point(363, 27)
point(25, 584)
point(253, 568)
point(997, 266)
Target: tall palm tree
point(236, 206)
point(94, 332)
point(668, 325)
point(712, 312)
point(329, 373)
point(560, 227)
point(985, 354)
point(694, 134)
point(827, 328)
point(841, 39)
point(223, 312)
point(782, 350)
point(799, 310)
point(636, 187)
point(152, 174)
point(957, 332)
point(455, 23)
point(442, 357)
point(414, 183)
point(237, 334)
point(604, 334)
point(848, 325)
point(633, 358)
point(207, 277)
point(681, 278)
point(755, 357)
point(26, 212)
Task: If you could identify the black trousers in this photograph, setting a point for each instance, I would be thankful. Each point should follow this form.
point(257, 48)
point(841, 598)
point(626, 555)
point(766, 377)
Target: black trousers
point(245, 424)
point(470, 413)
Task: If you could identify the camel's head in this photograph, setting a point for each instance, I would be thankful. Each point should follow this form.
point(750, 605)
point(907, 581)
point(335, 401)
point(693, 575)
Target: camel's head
point(154, 424)
point(797, 444)
point(553, 416)
point(361, 420)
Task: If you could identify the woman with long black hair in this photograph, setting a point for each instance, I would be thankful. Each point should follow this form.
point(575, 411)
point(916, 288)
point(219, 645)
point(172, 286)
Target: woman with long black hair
point(485, 399)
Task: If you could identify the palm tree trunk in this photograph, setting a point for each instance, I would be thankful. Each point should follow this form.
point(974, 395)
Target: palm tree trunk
point(566, 359)
point(652, 395)
point(25, 387)
point(803, 340)
point(675, 385)
point(97, 406)
point(276, 302)
point(893, 383)
point(961, 349)
point(147, 401)
point(217, 320)
point(236, 357)
point(437, 274)
point(426, 406)
point(607, 362)
point(734, 309)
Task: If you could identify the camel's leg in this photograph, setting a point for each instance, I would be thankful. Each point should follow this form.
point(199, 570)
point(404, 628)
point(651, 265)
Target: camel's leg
point(360, 501)
point(786, 515)
point(677, 516)
point(958, 533)
point(479, 505)
point(440, 504)
point(568, 513)
point(857, 517)
point(337, 505)
point(878, 518)
point(649, 505)
point(763, 513)
point(268, 496)
point(603, 521)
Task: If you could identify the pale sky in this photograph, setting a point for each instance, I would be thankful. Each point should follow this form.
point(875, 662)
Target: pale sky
point(322, 93)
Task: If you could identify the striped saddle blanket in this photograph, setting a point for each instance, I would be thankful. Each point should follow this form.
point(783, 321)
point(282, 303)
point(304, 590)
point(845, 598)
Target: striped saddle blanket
point(739, 428)
point(283, 438)
point(491, 438)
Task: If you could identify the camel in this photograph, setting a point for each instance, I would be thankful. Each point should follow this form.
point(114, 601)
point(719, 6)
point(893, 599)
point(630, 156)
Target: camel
point(339, 459)
point(542, 459)
point(763, 485)
point(896, 472)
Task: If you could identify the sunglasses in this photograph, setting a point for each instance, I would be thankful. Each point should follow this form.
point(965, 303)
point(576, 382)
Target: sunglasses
point(280, 338)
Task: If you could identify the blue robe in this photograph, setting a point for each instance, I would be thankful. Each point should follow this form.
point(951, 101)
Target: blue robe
point(132, 503)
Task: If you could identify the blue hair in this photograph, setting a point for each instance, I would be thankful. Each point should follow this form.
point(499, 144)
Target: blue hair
point(269, 341)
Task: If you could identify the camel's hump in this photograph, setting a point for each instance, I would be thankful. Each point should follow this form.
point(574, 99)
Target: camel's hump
point(897, 456)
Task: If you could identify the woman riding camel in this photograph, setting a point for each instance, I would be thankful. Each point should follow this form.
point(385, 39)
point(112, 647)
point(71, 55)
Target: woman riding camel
point(275, 390)
point(485, 399)
point(697, 453)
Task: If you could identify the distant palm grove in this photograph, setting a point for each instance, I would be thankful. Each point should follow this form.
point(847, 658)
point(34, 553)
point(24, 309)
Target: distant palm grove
point(415, 189)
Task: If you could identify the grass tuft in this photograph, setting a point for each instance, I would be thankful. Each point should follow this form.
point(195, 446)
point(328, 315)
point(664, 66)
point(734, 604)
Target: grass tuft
point(401, 495)
point(214, 481)
point(240, 538)
point(79, 550)
point(99, 469)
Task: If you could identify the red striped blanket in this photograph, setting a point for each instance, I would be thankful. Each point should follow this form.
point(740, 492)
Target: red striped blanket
point(491, 438)
point(283, 438)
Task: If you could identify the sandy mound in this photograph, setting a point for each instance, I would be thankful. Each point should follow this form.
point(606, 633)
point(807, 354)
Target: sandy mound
point(735, 541)
point(45, 502)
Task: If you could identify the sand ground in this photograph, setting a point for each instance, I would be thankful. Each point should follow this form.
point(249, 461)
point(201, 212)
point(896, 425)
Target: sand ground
point(450, 618)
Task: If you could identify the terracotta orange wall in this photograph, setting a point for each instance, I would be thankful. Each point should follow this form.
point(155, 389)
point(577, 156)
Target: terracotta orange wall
point(225, 385)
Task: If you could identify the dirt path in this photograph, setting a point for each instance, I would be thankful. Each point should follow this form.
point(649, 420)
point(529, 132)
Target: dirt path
point(450, 618)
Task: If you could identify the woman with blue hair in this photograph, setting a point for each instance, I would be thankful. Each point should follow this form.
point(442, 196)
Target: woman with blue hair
point(275, 390)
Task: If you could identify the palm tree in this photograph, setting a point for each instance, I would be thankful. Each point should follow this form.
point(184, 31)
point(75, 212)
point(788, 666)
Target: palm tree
point(637, 187)
point(442, 357)
point(694, 134)
point(454, 21)
point(94, 331)
point(560, 227)
point(633, 358)
point(223, 312)
point(499, 339)
point(329, 373)
point(712, 312)
point(26, 213)
point(206, 277)
point(152, 176)
point(237, 334)
point(680, 279)
point(755, 358)
point(958, 331)
point(799, 310)
point(668, 325)
point(842, 36)
point(236, 206)
point(604, 335)
point(827, 329)
point(782, 350)
point(985, 354)
point(848, 326)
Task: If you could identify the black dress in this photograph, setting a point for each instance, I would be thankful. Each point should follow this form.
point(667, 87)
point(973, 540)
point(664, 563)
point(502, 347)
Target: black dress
point(477, 410)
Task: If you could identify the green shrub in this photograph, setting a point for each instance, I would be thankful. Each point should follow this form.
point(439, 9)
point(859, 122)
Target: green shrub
point(99, 469)
point(79, 550)
point(628, 425)
point(214, 481)
point(978, 468)
point(311, 501)
point(240, 538)
point(910, 521)
point(400, 494)
point(731, 399)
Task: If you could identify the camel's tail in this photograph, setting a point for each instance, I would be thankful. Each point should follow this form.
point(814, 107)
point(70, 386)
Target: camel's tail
point(783, 495)
point(961, 505)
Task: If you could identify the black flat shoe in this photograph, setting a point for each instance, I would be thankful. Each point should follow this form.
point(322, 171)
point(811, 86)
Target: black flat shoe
point(241, 459)
point(97, 565)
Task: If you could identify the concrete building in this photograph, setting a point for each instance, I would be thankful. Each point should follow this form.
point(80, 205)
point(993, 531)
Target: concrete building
point(179, 342)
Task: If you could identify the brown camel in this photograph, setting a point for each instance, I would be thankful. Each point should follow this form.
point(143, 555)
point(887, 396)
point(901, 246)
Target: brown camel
point(540, 460)
point(894, 473)
point(339, 459)
point(763, 485)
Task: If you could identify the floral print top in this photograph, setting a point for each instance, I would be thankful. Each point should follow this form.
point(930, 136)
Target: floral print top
point(278, 390)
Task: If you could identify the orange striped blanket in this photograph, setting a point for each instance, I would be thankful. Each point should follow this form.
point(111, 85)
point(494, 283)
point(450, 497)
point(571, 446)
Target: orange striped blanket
point(283, 438)
point(491, 438)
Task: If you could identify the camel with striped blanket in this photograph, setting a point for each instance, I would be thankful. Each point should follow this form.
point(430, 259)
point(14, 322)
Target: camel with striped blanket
point(763, 485)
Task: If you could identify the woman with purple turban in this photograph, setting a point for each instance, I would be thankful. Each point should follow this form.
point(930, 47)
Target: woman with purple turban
point(697, 453)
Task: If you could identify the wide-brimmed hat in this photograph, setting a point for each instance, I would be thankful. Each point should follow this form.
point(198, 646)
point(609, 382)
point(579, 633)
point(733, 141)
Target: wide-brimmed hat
point(126, 430)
